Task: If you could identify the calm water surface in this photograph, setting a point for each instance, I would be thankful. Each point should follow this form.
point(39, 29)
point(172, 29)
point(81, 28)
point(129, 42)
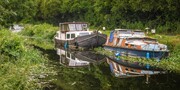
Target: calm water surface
point(86, 70)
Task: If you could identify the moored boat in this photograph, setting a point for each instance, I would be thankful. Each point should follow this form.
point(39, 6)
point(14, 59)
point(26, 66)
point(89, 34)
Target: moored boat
point(76, 34)
point(16, 28)
point(135, 43)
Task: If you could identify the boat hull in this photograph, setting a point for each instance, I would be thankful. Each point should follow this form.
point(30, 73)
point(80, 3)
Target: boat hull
point(87, 41)
point(90, 41)
point(138, 53)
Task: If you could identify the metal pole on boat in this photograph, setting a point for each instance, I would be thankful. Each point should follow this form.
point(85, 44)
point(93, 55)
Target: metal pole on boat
point(147, 79)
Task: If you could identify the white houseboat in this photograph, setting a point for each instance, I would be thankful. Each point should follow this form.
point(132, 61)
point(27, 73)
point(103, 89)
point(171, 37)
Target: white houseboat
point(77, 34)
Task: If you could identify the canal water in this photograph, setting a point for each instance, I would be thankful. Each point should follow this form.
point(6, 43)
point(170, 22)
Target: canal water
point(86, 70)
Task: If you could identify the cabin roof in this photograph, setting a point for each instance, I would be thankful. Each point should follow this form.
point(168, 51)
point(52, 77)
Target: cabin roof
point(136, 43)
point(74, 23)
point(138, 31)
point(141, 38)
point(79, 32)
point(122, 29)
point(129, 30)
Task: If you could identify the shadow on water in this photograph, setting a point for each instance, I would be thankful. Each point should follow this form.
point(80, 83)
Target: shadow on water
point(50, 53)
point(87, 70)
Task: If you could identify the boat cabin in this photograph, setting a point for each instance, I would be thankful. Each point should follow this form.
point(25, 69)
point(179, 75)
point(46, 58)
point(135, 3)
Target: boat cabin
point(73, 26)
point(16, 28)
point(124, 33)
point(71, 35)
point(70, 30)
point(138, 33)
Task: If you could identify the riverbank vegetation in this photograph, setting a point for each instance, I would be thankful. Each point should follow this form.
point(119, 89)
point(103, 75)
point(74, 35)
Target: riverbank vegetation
point(21, 64)
point(41, 35)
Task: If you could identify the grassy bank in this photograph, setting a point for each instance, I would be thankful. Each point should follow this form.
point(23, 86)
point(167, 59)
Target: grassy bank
point(21, 64)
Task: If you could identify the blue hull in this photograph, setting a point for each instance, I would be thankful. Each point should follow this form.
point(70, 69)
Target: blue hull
point(138, 53)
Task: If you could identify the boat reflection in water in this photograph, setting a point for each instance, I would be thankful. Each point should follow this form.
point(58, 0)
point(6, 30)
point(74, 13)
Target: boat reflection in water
point(83, 70)
point(78, 58)
point(126, 69)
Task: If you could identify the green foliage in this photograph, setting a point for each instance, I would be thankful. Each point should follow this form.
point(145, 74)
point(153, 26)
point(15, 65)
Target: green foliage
point(162, 14)
point(41, 35)
point(20, 64)
point(11, 44)
point(17, 10)
point(45, 31)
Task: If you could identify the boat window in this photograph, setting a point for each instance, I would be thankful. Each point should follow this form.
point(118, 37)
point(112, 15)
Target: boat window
point(72, 27)
point(72, 35)
point(150, 40)
point(117, 67)
point(84, 26)
point(64, 27)
point(126, 45)
point(67, 36)
point(125, 32)
point(68, 55)
point(133, 46)
point(138, 32)
point(76, 27)
point(73, 57)
point(82, 34)
point(133, 70)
